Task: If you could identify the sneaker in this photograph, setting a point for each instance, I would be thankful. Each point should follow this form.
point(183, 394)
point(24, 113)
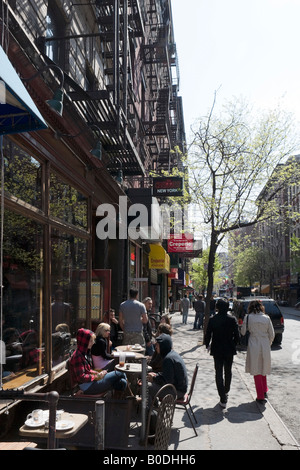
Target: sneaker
point(222, 404)
point(261, 401)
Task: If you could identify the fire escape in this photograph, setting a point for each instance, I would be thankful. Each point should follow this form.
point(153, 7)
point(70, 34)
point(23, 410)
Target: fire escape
point(159, 55)
point(136, 106)
point(107, 107)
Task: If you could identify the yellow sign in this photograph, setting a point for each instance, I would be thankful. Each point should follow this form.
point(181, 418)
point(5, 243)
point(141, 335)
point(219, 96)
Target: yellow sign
point(159, 258)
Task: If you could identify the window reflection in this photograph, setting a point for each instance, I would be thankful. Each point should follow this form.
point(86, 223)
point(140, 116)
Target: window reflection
point(68, 260)
point(66, 203)
point(22, 174)
point(22, 310)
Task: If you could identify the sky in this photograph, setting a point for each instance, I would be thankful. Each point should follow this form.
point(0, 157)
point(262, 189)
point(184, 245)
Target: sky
point(242, 48)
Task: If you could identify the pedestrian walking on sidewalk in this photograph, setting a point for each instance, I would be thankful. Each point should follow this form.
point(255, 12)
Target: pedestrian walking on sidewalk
point(199, 307)
point(221, 338)
point(185, 305)
point(258, 359)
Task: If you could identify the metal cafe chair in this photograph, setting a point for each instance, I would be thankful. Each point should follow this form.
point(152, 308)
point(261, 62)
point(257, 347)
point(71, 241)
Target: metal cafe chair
point(164, 406)
point(185, 402)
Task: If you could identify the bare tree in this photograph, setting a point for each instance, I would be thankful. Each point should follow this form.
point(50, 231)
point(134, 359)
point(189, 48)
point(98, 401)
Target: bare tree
point(234, 156)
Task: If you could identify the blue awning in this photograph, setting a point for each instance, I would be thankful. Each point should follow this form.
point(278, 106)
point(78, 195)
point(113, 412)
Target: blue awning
point(18, 113)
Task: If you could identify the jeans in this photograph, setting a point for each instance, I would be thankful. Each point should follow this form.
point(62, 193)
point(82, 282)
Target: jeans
point(223, 364)
point(115, 380)
point(198, 322)
point(184, 317)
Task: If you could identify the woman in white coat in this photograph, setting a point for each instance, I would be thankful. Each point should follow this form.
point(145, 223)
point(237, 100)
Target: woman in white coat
point(258, 360)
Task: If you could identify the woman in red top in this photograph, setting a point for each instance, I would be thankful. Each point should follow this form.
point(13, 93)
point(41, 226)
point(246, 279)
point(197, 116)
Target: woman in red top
point(89, 380)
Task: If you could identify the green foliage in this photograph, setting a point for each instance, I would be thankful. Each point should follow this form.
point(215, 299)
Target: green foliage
point(199, 273)
point(248, 266)
point(235, 169)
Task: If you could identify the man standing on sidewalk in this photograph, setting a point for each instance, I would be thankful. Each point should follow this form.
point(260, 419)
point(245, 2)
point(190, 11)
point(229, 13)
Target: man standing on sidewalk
point(199, 307)
point(132, 316)
point(223, 333)
point(185, 305)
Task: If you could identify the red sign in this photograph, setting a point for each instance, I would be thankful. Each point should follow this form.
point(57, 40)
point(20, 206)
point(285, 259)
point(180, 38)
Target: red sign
point(181, 243)
point(168, 186)
point(173, 274)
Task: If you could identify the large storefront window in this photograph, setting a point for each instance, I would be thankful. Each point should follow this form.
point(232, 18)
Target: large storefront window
point(66, 203)
point(22, 299)
point(22, 174)
point(33, 290)
point(68, 261)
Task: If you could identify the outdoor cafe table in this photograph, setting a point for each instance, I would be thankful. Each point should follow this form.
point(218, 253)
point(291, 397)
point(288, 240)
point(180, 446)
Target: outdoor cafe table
point(132, 368)
point(134, 353)
point(140, 370)
point(79, 421)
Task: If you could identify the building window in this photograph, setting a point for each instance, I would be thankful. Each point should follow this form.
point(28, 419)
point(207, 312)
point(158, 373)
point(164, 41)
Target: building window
point(22, 174)
point(68, 264)
point(67, 204)
point(23, 331)
point(55, 27)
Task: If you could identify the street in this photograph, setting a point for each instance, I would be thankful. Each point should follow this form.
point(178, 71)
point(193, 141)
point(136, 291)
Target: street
point(284, 381)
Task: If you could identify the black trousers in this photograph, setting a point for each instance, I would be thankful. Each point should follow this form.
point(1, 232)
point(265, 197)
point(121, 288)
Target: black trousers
point(223, 367)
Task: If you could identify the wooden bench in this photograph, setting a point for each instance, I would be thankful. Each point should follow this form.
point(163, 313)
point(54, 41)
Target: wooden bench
point(16, 445)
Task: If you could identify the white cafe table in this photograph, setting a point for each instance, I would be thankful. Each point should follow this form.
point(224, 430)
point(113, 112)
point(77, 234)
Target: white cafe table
point(130, 351)
point(132, 368)
point(78, 419)
point(140, 369)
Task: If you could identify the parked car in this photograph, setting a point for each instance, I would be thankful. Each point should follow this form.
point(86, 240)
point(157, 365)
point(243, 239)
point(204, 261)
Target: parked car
point(240, 308)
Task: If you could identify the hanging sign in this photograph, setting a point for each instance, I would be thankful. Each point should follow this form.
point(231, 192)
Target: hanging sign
point(168, 186)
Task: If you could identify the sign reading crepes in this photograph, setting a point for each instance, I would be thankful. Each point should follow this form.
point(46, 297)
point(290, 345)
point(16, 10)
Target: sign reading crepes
point(181, 243)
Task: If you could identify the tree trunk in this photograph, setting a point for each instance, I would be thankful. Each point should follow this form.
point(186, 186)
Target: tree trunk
point(210, 274)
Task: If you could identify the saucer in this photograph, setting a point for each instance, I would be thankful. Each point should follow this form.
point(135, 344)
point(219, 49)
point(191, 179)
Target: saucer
point(64, 425)
point(34, 424)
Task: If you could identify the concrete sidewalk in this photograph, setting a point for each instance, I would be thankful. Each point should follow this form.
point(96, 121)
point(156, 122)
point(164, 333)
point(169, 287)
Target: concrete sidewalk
point(243, 425)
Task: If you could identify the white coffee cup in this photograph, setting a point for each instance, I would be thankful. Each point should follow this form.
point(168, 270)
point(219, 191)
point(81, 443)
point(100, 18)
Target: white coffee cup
point(59, 414)
point(36, 416)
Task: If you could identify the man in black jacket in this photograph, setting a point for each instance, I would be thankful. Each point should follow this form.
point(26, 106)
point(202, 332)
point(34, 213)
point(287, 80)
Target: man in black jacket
point(223, 333)
point(173, 369)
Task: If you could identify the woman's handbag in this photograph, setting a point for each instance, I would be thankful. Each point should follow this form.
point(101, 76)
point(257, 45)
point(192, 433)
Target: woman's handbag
point(247, 333)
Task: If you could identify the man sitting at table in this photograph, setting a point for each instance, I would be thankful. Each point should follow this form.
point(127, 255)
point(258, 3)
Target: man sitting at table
point(90, 381)
point(173, 369)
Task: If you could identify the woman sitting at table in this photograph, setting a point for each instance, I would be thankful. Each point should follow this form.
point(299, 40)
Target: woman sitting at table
point(90, 381)
point(110, 318)
point(102, 360)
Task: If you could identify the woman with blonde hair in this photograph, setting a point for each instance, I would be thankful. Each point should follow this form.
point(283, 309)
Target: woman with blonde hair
point(102, 360)
point(258, 360)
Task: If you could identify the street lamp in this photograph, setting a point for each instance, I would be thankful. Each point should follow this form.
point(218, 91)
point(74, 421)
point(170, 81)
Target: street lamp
point(96, 151)
point(56, 103)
